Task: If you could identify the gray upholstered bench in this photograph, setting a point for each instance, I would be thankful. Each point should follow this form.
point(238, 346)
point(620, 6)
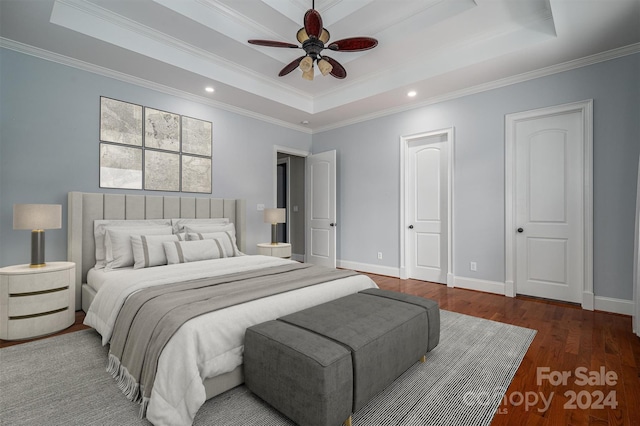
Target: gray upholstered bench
point(319, 365)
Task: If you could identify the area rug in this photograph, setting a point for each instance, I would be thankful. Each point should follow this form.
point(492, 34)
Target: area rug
point(62, 381)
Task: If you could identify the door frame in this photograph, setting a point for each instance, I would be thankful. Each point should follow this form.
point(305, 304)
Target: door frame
point(404, 169)
point(287, 165)
point(274, 167)
point(585, 108)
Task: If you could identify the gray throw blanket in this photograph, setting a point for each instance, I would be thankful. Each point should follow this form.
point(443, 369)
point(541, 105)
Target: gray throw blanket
point(151, 316)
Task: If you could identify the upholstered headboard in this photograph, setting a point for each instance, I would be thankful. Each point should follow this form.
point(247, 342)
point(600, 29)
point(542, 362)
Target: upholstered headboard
point(84, 208)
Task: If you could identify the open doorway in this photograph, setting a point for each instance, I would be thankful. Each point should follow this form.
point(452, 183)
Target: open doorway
point(290, 194)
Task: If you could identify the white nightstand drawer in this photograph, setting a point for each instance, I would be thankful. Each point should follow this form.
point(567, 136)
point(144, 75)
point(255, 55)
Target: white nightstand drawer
point(281, 251)
point(29, 283)
point(40, 325)
point(38, 303)
point(276, 250)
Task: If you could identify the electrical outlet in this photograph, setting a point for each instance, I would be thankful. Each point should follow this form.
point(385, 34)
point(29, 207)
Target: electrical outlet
point(473, 266)
point(260, 207)
point(379, 255)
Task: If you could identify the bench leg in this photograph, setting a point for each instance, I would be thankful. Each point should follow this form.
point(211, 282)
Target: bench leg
point(347, 422)
point(423, 359)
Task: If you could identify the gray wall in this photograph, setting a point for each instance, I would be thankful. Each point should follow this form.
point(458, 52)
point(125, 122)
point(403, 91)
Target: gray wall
point(49, 146)
point(49, 120)
point(369, 172)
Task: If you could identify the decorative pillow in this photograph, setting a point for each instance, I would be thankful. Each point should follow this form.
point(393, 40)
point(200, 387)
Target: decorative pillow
point(180, 224)
point(117, 244)
point(99, 232)
point(193, 251)
point(149, 251)
point(226, 234)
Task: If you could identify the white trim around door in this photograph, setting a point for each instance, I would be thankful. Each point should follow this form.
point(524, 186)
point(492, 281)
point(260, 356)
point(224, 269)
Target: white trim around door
point(585, 108)
point(445, 135)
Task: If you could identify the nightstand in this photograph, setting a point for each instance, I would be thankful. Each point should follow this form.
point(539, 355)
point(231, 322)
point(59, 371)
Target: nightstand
point(36, 301)
point(275, 250)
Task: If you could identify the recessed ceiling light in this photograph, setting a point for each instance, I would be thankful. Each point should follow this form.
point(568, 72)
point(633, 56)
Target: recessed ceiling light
point(209, 89)
point(305, 122)
point(412, 93)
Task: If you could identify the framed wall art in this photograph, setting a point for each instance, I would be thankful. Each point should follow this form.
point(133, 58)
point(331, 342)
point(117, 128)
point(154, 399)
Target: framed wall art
point(196, 136)
point(120, 122)
point(196, 174)
point(120, 166)
point(161, 171)
point(151, 149)
point(161, 130)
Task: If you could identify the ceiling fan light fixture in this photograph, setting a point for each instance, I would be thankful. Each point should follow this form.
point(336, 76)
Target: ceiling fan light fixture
point(324, 67)
point(308, 75)
point(306, 64)
point(324, 37)
point(302, 35)
point(314, 39)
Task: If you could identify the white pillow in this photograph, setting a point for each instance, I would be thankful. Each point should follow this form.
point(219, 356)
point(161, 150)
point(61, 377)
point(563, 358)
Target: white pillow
point(193, 251)
point(117, 244)
point(179, 224)
point(99, 232)
point(226, 234)
point(149, 251)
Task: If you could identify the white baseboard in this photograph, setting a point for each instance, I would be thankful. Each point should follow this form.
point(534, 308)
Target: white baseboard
point(480, 285)
point(606, 304)
point(616, 306)
point(368, 267)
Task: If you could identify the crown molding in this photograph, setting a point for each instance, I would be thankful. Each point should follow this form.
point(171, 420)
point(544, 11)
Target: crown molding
point(126, 78)
point(520, 78)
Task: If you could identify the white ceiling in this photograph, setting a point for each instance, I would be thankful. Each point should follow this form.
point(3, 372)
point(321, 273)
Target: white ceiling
point(439, 48)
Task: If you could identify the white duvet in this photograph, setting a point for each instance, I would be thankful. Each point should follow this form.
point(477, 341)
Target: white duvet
point(211, 344)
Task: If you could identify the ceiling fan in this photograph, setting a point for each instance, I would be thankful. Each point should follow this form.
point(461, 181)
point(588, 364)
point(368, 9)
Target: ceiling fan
point(314, 39)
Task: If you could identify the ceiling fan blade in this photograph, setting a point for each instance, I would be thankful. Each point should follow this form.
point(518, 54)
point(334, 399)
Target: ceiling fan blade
point(338, 70)
point(292, 66)
point(353, 44)
point(271, 43)
point(313, 23)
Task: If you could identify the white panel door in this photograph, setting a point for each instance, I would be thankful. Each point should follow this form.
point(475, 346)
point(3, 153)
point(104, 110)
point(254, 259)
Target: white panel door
point(321, 209)
point(549, 206)
point(427, 204)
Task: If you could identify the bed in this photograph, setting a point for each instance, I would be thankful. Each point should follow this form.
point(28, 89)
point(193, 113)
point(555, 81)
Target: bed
point(200, 360)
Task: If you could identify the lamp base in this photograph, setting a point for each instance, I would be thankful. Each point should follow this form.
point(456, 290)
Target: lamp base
point(274, 234)
point(37, 249)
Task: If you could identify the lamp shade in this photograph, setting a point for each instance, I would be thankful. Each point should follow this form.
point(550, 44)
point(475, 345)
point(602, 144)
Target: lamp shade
point(37, 216)
point(275, 215)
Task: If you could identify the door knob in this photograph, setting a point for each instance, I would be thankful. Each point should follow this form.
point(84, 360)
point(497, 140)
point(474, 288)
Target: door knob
point(520, 230)
point(410, 226)
point(332, 224)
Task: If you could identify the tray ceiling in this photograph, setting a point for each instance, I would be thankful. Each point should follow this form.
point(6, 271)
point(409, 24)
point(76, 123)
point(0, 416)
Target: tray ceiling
point(436, 47)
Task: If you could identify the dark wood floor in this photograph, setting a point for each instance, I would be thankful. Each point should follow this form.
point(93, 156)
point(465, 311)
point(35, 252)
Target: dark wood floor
point(568, 339)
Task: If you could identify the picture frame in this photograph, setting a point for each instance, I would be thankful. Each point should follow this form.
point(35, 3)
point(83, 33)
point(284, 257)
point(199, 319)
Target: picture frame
point(161, 171)
point(120, 122)
point(161, 130)
point(196, 174)
point(197, 136)
point(120, 166)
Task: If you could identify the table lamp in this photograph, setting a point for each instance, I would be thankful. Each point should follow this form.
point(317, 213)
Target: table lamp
point(274, 217)
point(37, 217)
